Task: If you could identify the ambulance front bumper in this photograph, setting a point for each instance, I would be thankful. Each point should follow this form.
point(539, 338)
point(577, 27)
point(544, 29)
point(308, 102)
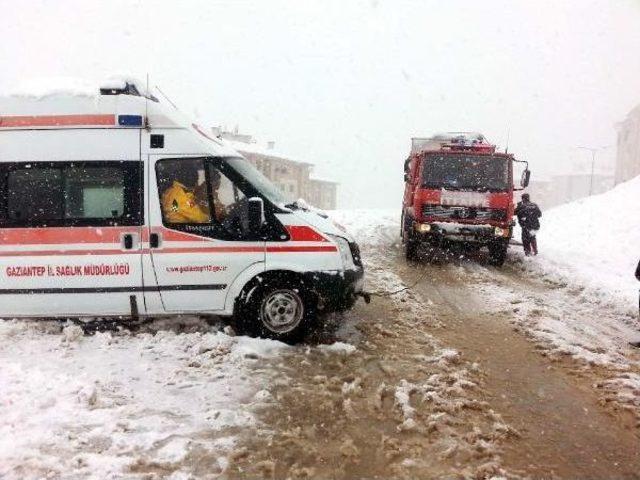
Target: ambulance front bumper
point(337, 290)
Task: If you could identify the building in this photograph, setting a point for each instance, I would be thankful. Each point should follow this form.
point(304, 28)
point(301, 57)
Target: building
point(322, 192)
point(291, 176)
point(628, 148)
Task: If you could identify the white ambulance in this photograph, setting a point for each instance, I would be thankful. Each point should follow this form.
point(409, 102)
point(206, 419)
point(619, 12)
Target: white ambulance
point(113, 205)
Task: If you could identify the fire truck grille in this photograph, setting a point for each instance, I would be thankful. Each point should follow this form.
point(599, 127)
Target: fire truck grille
point(463, 213)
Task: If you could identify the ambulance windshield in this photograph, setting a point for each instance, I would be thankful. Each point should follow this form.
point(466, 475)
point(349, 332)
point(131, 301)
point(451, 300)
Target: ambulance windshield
point(466, 172)
point(257, 179)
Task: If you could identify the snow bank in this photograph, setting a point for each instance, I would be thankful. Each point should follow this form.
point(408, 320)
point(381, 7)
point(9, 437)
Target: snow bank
point(594, 242)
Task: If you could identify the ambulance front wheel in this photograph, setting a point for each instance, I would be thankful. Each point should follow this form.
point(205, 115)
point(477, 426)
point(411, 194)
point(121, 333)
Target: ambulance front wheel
point(280, 310)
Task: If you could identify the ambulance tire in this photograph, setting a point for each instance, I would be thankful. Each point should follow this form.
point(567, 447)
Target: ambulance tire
point(498, 253)
point(279, 309)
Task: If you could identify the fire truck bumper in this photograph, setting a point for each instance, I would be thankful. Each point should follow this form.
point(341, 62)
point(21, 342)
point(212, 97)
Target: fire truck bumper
point(438, 231)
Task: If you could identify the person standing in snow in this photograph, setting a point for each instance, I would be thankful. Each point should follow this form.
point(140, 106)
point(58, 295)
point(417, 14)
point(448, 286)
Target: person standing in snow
point(528, 214)
point(637, 344)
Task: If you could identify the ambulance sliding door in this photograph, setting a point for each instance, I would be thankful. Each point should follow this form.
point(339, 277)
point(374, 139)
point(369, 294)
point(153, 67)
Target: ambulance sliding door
point(198, 239)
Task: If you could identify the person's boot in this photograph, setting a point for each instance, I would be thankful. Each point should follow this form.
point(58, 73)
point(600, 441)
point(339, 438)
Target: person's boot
point(534, 246)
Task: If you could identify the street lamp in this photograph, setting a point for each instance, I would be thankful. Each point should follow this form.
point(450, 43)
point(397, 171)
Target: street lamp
point(593, 151)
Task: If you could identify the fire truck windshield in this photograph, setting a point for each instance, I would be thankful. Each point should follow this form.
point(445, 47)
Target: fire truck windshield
point(466, 172)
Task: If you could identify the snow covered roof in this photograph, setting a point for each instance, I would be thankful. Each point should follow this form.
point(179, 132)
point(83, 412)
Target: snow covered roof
point(260, 149)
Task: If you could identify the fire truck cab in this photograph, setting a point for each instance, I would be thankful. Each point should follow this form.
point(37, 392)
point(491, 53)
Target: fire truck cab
point(114, 205)
point(458, 189)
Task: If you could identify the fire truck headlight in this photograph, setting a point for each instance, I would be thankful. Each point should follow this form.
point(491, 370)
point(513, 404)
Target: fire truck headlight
point(501, 232)
point(345, 251)
point(423, 227)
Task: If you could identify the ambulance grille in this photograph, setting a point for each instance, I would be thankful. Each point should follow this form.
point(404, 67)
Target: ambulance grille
point(463, 213)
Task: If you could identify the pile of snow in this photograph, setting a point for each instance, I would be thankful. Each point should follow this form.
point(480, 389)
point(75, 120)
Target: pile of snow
point(594, 242)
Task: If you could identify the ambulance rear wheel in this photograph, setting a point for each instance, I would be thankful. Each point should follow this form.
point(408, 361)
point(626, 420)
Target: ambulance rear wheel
point(280, 310)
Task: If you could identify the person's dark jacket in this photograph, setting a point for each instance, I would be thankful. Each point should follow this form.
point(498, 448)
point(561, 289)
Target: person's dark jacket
point(528, 214)
point(638, 271)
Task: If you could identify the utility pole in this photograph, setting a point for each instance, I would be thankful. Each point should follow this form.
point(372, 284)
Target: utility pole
point(593, 151)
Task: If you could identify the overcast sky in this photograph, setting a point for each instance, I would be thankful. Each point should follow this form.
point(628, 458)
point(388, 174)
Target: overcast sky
point(345, 84)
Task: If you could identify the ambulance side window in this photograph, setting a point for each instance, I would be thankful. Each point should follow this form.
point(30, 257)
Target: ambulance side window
point(26, 201)
point(225, 194)
point(183, 192)
point(196, 196)
point(230, 205)
point(58, 194)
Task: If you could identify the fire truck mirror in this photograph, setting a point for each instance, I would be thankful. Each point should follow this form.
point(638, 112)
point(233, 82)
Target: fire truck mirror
point(526, 176)
point(406, 177)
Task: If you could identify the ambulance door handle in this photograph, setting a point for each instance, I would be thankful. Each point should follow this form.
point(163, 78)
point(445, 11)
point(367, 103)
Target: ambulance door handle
point(129, 241)
point(154, 240)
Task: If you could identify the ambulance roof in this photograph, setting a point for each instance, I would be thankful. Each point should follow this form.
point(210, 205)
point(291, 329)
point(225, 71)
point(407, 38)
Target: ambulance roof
point(114, 104)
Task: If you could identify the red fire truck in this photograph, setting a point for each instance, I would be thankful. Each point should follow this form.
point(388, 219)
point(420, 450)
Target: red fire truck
point(458, 189)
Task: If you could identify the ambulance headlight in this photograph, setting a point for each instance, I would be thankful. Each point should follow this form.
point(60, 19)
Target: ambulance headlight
point(345, 251)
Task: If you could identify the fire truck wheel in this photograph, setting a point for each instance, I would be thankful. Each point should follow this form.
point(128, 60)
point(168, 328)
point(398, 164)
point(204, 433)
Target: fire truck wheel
point(498, 253)
point(411, 249)
point(280, 309)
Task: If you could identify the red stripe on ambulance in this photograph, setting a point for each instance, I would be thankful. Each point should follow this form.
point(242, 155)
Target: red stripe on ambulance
point(62, 235)
point(302, 233)
point(57, 120)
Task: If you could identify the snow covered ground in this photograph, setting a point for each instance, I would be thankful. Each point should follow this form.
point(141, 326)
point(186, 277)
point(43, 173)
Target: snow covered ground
point(579, 297)
point(114, 404)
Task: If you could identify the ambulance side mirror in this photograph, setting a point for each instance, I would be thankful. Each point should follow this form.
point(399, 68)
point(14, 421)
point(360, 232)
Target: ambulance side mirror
point(526, 176)
point(256, 214)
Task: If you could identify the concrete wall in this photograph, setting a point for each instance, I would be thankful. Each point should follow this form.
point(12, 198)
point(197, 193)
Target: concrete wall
point(561, 189)
point(628, 147)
